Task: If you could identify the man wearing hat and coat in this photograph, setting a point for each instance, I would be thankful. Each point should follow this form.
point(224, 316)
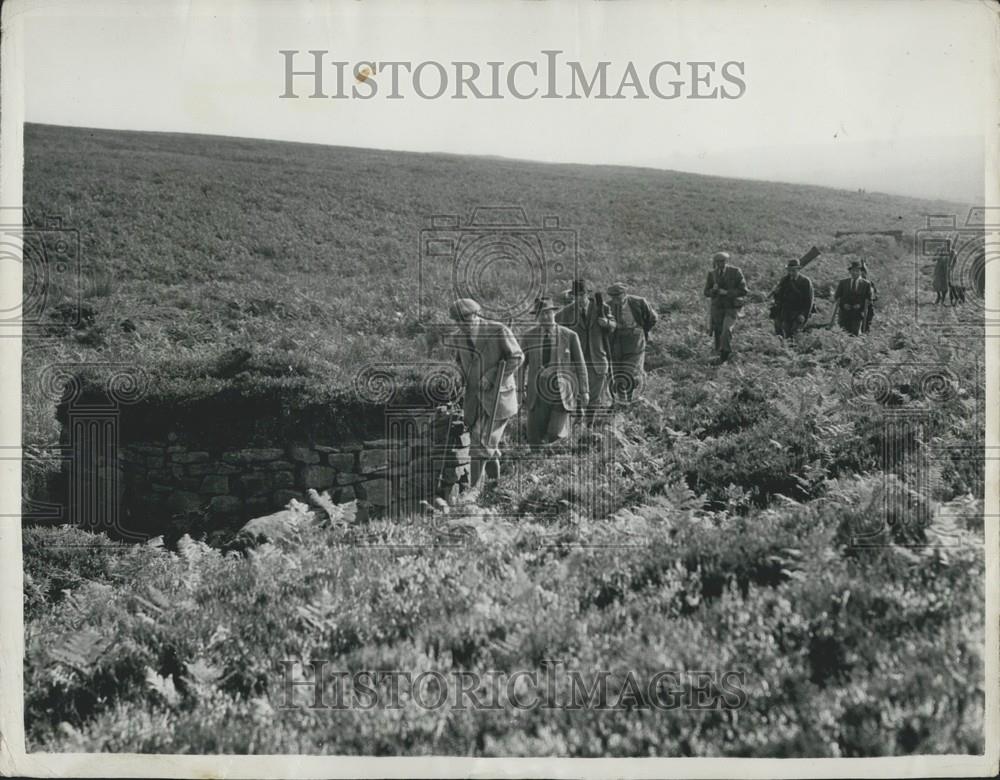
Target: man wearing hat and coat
point(727, 288)
point(591, 319)
point(793, 299)
point(556, 376)
point(488, 356)
point(853, 297)
point(634, 319)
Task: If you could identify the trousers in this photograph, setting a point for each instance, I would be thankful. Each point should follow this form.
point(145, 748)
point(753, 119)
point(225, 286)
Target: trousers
point(723, 321)
point(547, 422)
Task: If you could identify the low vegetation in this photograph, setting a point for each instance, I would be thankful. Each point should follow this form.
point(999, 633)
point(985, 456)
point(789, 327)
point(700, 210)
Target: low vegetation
point(753, 523)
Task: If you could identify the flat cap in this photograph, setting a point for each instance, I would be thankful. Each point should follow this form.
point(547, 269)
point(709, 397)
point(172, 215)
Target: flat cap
point(854, 264)
point(463, 307)
point(793, 264)
point(543, 304)
point(617, 289)
point(720, 256)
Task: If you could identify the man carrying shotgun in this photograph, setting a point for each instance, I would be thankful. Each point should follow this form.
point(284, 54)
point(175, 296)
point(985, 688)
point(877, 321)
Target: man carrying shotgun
point(591, 319)
point(489, 357)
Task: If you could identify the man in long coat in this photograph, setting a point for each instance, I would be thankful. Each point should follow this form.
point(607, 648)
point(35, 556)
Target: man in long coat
point(853, 297)
point(634, 319)
point(794, 300)
point(727, 288)
point(591, 319)
point(489, 357)
point(556, 376)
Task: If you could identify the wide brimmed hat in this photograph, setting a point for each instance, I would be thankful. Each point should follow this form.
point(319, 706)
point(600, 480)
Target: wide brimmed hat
point(793, 264)
point(579, 286)
point(617, 289)
point(463, 307)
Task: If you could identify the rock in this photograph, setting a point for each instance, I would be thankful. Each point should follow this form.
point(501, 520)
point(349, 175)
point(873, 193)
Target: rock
point(215, 484)
point(317, 477)
point(375, 492)
point(277, 465)
point(183, 501)
point(376, 444)
point(225, 505)
point(252, 455)
point(348, 479)
point(342, 495)
point(303, 454)
point(189, 457)
point(342, 461)
point(372, 460)
point(201, 469)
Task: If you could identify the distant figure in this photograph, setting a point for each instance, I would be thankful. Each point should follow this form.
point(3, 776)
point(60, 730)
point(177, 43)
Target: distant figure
point(870, 314)
point(727, 288)
point(556, 376)
point(591, 319)
point(942, 272)
point(853, 296)
point(489, 356)
point(634, 320)
point(793, 299)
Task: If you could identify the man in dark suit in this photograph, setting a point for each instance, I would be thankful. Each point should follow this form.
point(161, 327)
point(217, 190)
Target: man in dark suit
point(853, 297)
point(793, 298)
point(727, 288)
point(556, 376)
point(489, 357)
point(634, 319)
point(591, 319)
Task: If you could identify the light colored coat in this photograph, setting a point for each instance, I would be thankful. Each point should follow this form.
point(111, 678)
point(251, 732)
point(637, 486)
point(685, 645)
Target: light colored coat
point(566, 361)
point(479, 359)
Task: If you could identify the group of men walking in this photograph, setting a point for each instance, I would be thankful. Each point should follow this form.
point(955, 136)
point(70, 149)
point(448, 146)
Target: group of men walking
point(582, 357)
point(577, 359)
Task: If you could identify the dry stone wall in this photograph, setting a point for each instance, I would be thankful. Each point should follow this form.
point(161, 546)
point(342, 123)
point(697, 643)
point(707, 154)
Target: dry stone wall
point(426, 457)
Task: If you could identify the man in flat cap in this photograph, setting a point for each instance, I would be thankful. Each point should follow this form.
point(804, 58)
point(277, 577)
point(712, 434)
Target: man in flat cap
point(727, 289)
point(591, 319)
point(556, 376)
point(793, 299)
point(489, 357)
point(634, 319)
point(852, 298)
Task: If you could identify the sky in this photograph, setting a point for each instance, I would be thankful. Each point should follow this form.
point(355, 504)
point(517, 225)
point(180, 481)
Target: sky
point(887, 95)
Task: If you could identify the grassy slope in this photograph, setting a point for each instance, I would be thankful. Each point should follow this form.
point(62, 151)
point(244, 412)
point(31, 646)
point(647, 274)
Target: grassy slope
point(305, 253)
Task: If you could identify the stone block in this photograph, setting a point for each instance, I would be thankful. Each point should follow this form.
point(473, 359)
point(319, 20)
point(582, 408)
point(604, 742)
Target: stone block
point(215, 484)
point(148, 449)
point(189, 483)
point(375, 444)
point(453, 474)
point(178, 471)
point(252, 455)
point(303, 454)
point(190, 457)
point(183, 501)
point(344, 495)
point(458, 457)
point(258, 505)
point(344, 478)
point(215, 467)
point(276, 465)
point(318, 477)
point(162, 475)
point(154, 461)
point(374, 491)
point(372, 460)
point(225, 505)
point(176, 448)
point(342, 461)
point(283, 479)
